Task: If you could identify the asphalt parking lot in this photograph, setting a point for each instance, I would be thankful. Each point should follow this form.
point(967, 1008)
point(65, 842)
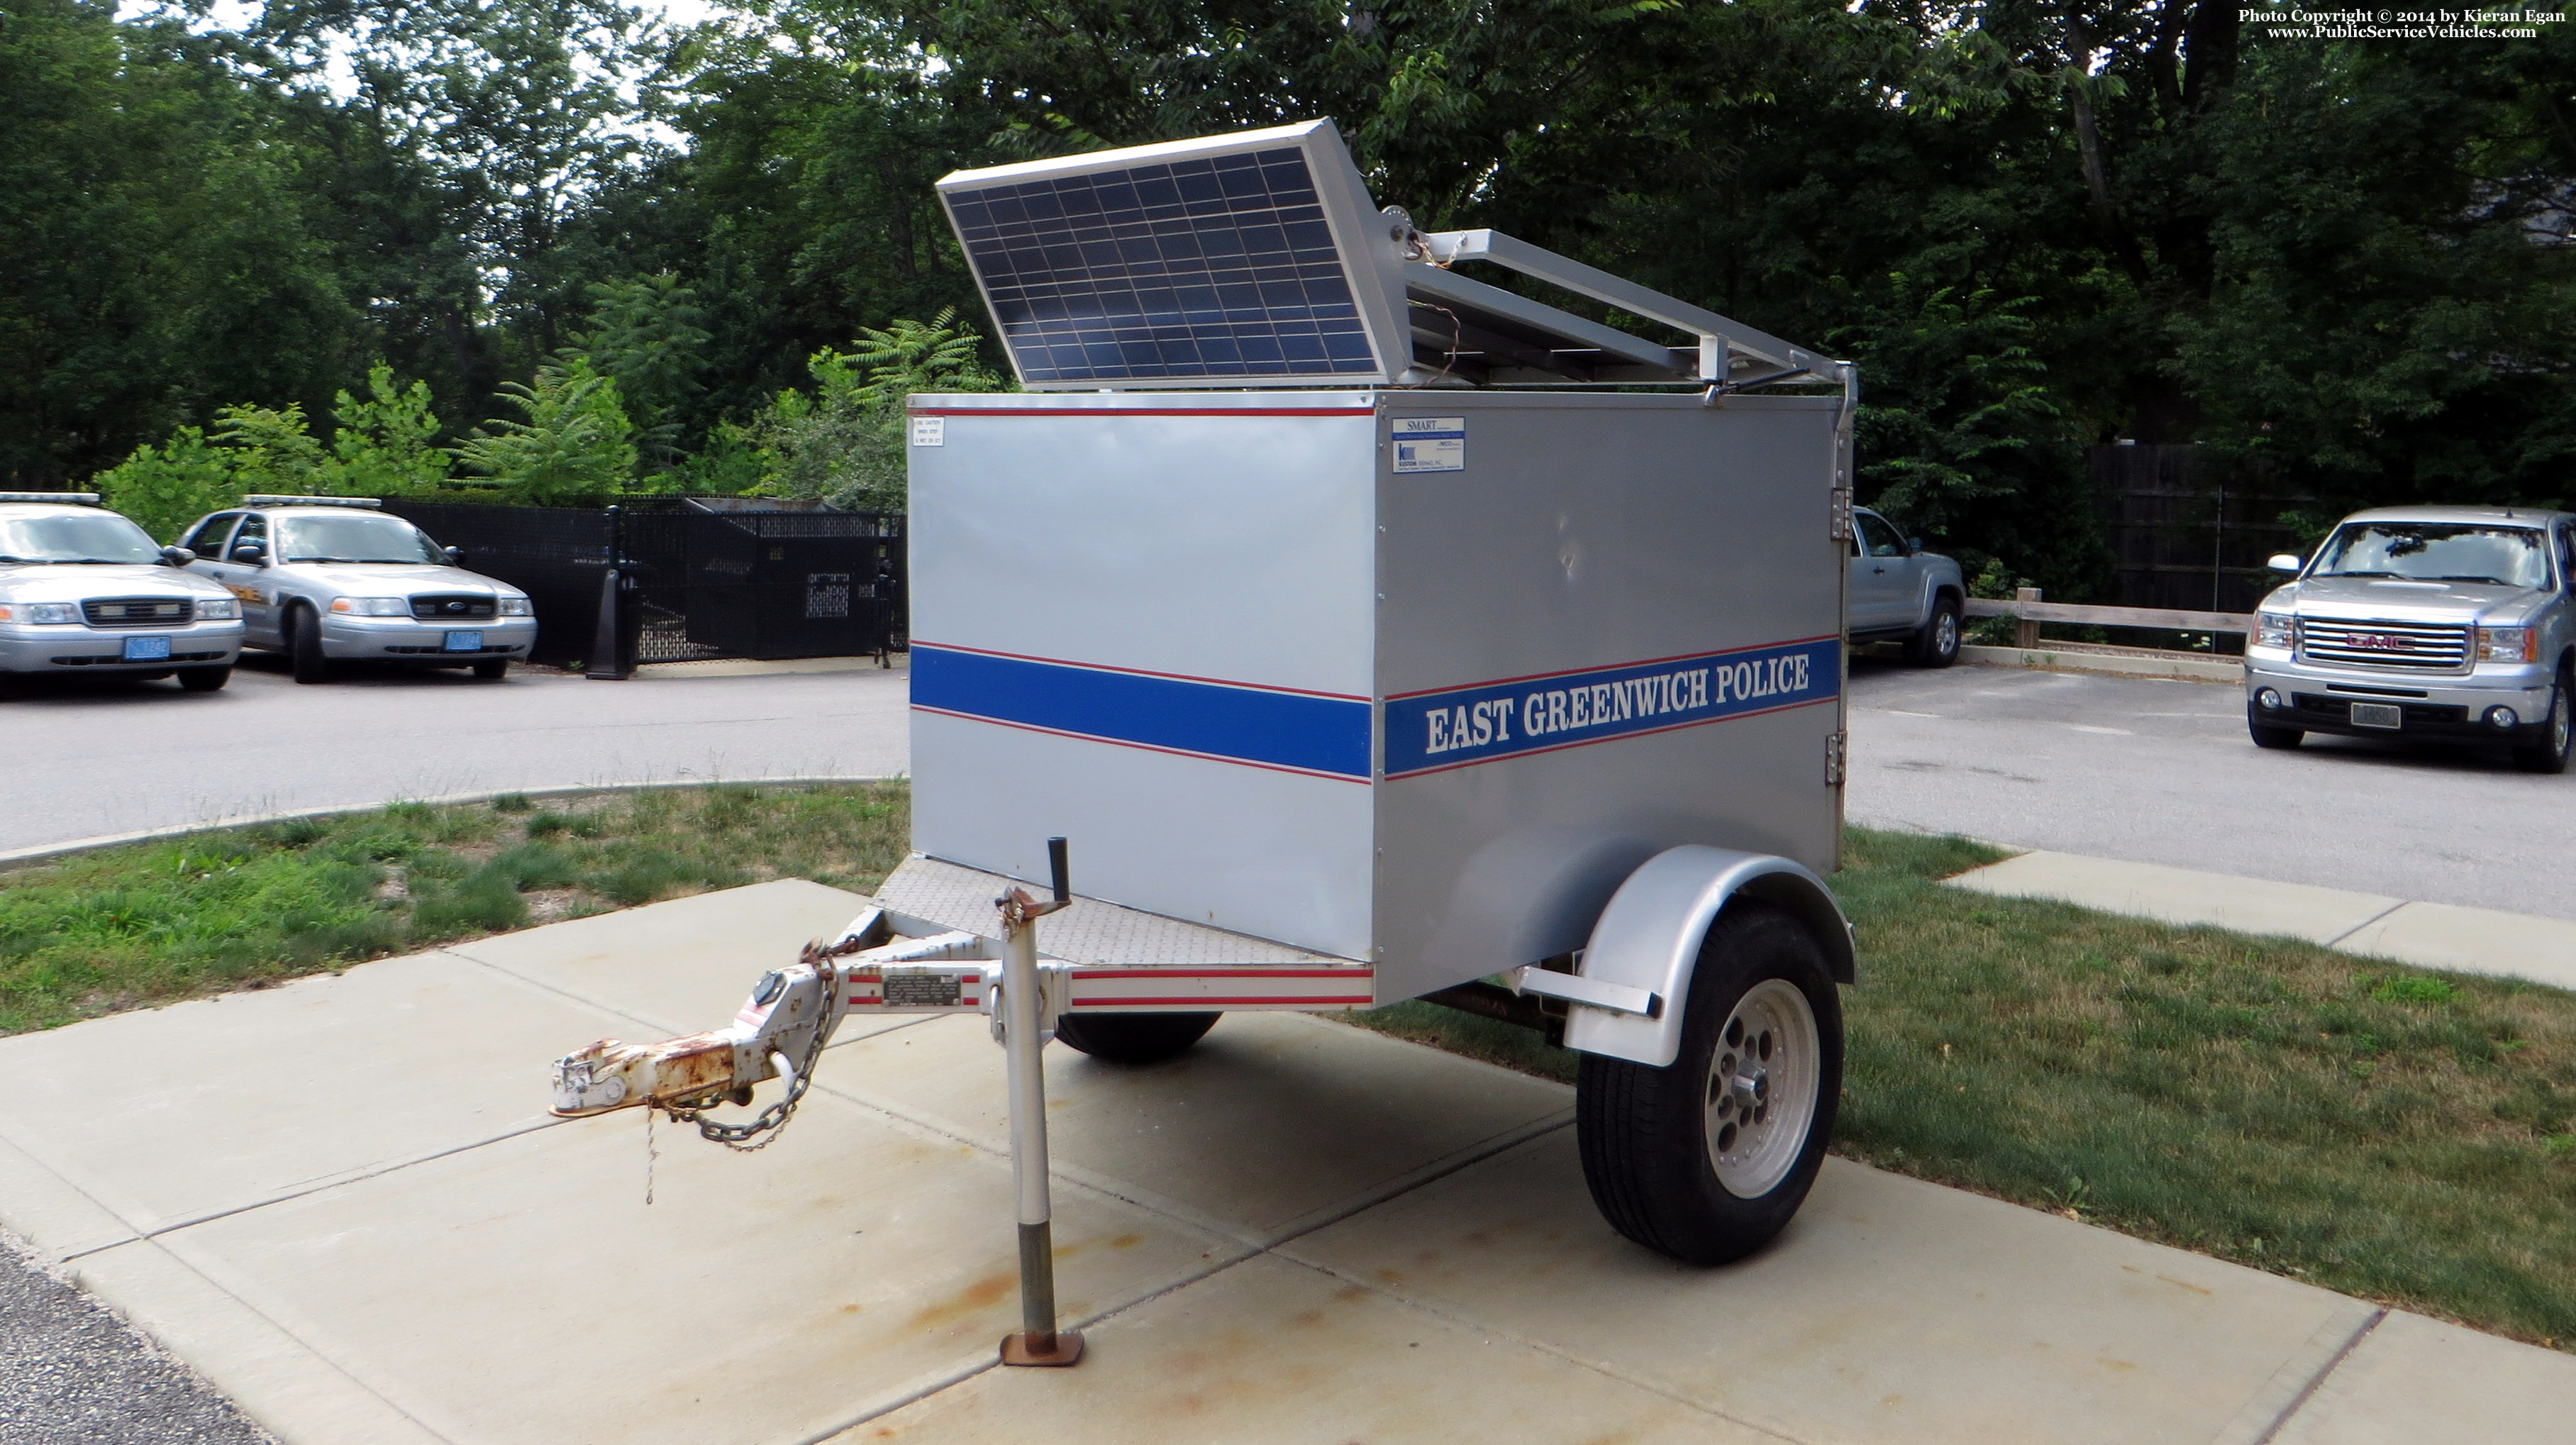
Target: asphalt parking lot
point(2153, 771)
point(92, 759)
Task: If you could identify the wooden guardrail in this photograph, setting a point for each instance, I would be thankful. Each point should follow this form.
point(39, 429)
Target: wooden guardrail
point(2026, 606)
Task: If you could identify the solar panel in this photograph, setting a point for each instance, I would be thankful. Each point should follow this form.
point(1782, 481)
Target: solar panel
point(1223, 262)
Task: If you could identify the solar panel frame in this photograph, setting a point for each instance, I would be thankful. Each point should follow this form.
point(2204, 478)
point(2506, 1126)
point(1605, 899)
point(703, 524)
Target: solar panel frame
point(1234, 261)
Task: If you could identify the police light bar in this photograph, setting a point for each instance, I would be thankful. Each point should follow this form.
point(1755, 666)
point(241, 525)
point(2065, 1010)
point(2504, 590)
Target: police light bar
point(73, 499)
point(263, 499)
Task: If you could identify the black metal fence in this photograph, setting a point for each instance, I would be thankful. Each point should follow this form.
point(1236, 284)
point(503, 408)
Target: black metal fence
point(689, 578)
point(2189, 534)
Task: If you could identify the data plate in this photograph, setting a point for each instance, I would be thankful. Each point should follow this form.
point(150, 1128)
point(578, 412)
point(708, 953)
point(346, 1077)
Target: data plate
point(465, 642)
point(147, 649)
point(2378, 715)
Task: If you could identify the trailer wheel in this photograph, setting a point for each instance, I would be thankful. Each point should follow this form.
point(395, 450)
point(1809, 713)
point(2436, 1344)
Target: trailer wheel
point(1134, 1038)
point(1706, 1159)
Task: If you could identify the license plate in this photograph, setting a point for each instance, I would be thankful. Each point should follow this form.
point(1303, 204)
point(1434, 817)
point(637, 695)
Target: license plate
point(2378, 715)
point(147, 649)
point(465, 642)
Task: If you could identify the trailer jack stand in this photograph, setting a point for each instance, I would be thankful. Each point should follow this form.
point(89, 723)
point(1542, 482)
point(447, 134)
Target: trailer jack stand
point(1038, 1341)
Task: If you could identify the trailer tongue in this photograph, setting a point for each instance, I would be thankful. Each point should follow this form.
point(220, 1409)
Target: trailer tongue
point(1355, 676)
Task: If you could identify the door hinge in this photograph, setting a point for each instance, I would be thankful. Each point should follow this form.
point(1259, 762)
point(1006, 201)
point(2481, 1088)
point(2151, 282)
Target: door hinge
point(1834, 754)
point(1839, 505)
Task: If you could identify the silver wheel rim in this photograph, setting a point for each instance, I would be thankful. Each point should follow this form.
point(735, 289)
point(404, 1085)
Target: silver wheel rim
point(1761, 1093)
point(1945, 634)
point(2558, 721)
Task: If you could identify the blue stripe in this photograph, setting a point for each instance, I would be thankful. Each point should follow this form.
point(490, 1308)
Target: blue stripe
point(1492, 720)
point(1281, 729)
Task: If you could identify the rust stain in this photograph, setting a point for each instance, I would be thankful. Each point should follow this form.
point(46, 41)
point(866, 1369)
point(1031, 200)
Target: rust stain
point(1308, 1319)
point(1127, 1241)
point(1388, 1275)
point(851, 1309)
point(975, 1298)
point(1351, 1292)
point(2182, 1284)
point(2111, 1363)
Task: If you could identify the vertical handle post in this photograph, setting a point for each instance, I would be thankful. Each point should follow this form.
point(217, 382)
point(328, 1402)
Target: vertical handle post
point(1038, 1342)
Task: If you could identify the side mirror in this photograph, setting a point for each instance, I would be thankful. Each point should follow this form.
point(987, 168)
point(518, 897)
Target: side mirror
point(177, 556)
point(2286, 563)
point(455, 556)
point(253, 553)
point(1913, 544)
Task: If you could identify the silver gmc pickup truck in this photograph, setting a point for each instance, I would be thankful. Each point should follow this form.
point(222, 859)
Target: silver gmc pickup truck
point(2444, 622)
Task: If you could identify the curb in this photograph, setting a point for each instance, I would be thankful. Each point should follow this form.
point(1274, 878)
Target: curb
point(47, 852)
point(2184, 669)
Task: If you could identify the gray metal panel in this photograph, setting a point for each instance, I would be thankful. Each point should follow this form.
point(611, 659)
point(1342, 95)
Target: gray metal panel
point(1207, 537)
point(1090, 931)
point(1271, 854)
point(1586, 532)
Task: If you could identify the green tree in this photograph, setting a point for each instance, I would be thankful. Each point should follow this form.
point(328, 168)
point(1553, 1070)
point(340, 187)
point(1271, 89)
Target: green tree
point(160, 240)
point(845, 443)
point(575, 448)
point(645, 335)
point(165, 488)
point(383, 445)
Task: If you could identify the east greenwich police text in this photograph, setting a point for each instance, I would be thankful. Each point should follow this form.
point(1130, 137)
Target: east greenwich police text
point(1565, 709)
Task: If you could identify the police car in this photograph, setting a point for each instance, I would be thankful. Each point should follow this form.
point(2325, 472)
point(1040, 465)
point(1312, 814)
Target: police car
point(85, 591)
point(333, 579)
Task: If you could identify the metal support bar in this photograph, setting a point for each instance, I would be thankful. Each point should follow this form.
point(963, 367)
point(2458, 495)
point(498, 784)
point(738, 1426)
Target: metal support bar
point(1023, 1039)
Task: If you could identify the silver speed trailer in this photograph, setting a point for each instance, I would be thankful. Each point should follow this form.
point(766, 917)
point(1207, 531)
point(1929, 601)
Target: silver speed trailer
point(1372, 633)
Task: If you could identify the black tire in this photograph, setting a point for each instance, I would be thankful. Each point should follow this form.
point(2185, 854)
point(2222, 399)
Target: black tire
point(1644, 1133)
point(1134, 1038)
point(1936, 642)
point(493, 670)
point(304, 644)
point(2549, 755)
point(205, 679)
point(2266, 735)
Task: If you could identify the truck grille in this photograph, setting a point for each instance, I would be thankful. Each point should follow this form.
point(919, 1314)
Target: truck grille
point(446, 607)
point(2421, 645)
point(139, 611)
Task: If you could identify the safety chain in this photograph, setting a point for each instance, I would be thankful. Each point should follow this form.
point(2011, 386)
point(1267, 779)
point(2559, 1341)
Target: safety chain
point(772, 1121)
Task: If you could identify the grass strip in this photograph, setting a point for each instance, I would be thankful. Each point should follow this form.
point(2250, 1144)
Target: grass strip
point(248, 907)
point(2391, 1133)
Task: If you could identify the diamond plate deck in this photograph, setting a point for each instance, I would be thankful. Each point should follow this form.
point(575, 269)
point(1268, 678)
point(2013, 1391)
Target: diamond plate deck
point(1088, 932)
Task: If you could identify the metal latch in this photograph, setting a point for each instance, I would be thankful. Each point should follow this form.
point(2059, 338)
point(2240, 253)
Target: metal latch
point(1618, 998)
point(1836, 744)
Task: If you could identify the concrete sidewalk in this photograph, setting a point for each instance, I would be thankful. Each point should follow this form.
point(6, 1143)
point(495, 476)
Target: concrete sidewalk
point(342, 1201)
point(2428, 935)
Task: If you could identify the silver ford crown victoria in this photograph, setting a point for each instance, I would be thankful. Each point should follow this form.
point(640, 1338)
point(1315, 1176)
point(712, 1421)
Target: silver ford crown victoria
point(331, 579)
point(85, 591)
point(2443, 622)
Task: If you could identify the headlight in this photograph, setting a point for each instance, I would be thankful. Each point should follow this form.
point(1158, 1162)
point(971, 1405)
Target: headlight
point(2508, 644)
point(372, 606)
point(515, 607)
point(217, 609)
point(2271, 629)
point(52, 613)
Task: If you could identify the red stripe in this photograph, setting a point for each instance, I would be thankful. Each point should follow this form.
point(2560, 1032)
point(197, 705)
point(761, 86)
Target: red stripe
point(1143, 672)
point(1610, 667)
point(1145, 747)
point(1142, 411)
point(1203, 999)
point(1355, 971)
point(1613, 738)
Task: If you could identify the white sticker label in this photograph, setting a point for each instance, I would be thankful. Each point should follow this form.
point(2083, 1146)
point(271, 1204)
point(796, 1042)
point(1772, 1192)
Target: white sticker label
point(930, 431)
point(1429, 443)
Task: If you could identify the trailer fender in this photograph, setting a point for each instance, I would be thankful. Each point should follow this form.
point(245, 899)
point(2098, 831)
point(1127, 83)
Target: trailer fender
point(1647, 942)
